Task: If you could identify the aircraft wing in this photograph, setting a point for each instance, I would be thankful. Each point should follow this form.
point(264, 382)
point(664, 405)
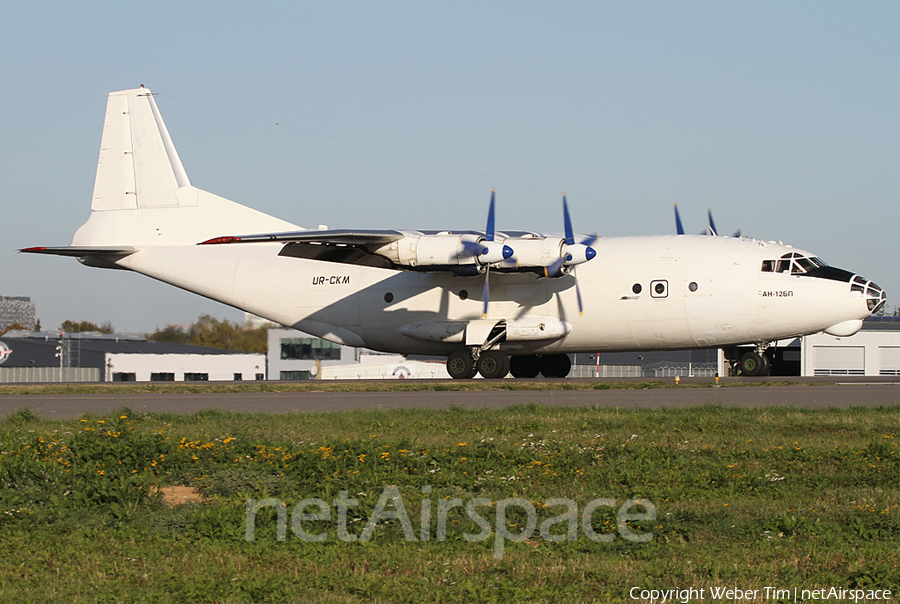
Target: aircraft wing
point(343, 246)
point(355, 237)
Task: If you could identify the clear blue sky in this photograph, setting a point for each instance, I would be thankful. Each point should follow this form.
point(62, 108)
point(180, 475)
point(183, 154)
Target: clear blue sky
point(781, 116)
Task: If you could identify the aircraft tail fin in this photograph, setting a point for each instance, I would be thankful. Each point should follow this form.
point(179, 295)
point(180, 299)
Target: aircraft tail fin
point(138, 166)
point(142, 193)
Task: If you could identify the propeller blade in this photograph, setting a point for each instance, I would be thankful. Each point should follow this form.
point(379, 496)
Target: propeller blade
point(570, 235)
point(712, 224)
point(555, 269)
point(578, 293)
point(590, 239)
point(472, 248)
point(489, 231)
point(486, 294)
point(679, 228)
point(738, 234)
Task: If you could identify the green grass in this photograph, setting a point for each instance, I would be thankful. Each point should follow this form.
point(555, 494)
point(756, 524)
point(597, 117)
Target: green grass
point(379, 386)
point(744, 498)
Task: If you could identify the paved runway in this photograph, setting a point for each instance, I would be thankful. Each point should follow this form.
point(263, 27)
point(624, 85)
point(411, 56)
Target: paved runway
point(819, 396)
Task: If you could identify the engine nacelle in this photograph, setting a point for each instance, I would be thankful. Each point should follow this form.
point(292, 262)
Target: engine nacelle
point(492, 252)
point(547, 253)
point(535, 252)
point(445, 250)
point(577, 253)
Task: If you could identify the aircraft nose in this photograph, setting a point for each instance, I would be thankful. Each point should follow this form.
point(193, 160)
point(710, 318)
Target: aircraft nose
point(875, 296)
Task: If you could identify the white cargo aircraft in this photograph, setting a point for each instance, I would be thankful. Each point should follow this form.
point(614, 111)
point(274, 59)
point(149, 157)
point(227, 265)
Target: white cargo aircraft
point(494, 302)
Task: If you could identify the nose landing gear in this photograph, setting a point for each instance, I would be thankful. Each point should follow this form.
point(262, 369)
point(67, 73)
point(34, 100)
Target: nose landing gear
point(755, 363)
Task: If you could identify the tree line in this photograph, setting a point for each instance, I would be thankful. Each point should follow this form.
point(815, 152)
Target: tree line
point(206, 331)
point(213, 333)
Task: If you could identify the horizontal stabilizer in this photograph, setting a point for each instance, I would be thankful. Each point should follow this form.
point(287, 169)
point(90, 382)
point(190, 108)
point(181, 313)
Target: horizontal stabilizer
point(77, 251)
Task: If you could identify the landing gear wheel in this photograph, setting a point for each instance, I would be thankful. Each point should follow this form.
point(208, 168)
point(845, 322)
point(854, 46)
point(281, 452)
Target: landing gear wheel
point(460, 365)
point(555, 365)
point(753, 364)
point(525, 366)
point(493, 365)
point(767, 364)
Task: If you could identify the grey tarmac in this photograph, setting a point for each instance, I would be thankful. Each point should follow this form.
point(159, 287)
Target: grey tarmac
point(867, 394)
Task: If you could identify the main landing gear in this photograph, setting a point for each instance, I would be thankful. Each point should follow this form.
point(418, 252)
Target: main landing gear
point(493, 364)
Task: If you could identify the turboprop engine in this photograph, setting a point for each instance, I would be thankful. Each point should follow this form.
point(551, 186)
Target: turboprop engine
point(445, 250)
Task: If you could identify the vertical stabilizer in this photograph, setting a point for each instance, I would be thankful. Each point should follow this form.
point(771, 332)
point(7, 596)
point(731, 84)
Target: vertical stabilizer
point(138, 166)
point(142, 194)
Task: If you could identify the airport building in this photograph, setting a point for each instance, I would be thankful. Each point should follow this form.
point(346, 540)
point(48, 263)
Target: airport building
point(875, 350)
point(17, 309)
point(294, 355)
point(53, 357)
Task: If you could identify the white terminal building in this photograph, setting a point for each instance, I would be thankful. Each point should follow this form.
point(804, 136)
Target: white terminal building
point(294, 355)
point(875, 350)
point(94, 357)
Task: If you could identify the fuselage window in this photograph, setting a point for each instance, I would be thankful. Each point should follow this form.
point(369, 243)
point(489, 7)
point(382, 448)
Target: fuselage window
point(768, 266)
point(636, 288)
point(693, 286)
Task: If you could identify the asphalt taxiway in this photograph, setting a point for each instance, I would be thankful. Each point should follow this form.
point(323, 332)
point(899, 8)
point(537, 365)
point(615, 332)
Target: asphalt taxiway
point(859, 393)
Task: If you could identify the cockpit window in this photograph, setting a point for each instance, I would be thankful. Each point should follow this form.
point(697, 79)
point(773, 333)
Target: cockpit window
point(768, 266)
point(805, 263)
point(793, 263)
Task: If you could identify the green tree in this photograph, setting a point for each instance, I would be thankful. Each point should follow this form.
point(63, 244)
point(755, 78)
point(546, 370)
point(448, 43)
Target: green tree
point(70, 326)
point(213, 333)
